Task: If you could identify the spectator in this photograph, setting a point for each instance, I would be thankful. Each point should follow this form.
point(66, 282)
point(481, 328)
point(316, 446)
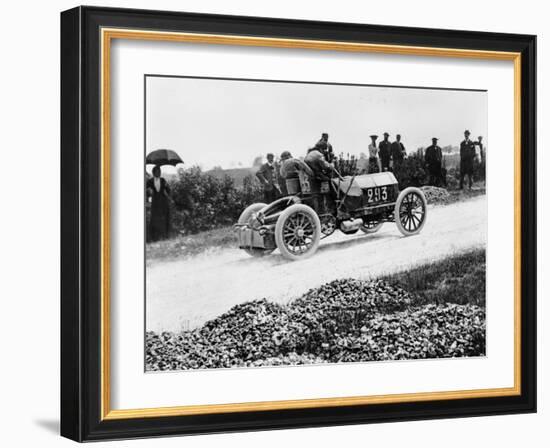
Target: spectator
point(481, 152)
point(433, 158)
point(374, 162)
point(268, 178)
point(467, 156)
point(279, 179)
point(398, 153)
point(158, 192)
point(384, 152)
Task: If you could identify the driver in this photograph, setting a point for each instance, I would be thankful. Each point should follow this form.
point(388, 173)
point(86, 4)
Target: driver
point(290, 166)
point(325, 147)
point(315, 159)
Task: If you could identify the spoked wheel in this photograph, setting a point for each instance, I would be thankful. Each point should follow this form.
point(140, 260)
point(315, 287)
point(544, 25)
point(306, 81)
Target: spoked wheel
point(371, 226)
point(248, 217)
point(410, 211)
point(328, 225)
point(297, 232)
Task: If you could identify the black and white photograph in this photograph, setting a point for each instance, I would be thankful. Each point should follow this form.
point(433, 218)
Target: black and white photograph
point(292, 223)
point(275, 224)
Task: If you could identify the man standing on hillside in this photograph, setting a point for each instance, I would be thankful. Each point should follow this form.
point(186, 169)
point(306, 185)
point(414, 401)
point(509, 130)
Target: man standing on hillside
point(384, 152)
point(433, 157)
point(268, 178)
point(467, 156)
point(398, 152)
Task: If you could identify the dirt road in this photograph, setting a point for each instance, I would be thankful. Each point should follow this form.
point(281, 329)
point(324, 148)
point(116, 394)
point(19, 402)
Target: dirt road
point(185, 293)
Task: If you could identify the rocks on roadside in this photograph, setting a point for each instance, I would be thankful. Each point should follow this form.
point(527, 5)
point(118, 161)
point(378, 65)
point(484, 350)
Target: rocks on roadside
point(435, 195)
point(342, 321)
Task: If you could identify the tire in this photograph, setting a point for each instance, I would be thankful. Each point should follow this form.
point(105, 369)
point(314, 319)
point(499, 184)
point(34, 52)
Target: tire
point(372, 227)
point(247, 212)
point(245, 217)
point(298, 224)
point(411, 211)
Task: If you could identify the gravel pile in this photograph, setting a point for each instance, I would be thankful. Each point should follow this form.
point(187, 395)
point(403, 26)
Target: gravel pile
point(342, 321)
point(435, 195)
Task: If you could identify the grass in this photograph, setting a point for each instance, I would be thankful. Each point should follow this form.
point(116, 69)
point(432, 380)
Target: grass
point(457, 195)
point(458, 279)
point(188, 245)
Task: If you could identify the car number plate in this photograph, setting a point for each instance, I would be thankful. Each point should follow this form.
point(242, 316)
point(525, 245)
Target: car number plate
point(377, 194)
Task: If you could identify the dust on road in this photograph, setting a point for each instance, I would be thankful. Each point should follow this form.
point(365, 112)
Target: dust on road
point(183, 294)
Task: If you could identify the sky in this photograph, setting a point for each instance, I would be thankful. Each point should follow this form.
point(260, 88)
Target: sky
point(229, 123)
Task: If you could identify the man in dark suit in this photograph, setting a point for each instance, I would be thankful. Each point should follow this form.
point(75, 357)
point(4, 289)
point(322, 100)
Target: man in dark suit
point(467, 156)
point(325, 148)
point(398, 152)
point(433, 157)
point(268, 178)
point(384, 152)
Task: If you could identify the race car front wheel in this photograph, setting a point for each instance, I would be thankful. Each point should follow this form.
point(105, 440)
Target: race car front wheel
point(297, 232)
point(410, 211)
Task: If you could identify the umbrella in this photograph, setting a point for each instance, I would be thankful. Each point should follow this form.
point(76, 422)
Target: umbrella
point(163, 157)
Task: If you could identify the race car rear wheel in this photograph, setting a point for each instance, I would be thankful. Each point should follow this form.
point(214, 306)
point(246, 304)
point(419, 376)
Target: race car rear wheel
point(246, 217)
point(411, 210)
point(297, 232)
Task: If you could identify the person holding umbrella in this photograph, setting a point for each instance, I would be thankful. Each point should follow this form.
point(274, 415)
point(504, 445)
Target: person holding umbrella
point(158, 191)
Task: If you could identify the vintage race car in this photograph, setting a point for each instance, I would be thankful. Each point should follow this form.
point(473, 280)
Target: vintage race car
point(315, 209)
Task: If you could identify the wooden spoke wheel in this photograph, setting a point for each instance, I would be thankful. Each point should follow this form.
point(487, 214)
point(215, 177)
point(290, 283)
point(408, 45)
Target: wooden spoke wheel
point(411, 210)
point(297, 232)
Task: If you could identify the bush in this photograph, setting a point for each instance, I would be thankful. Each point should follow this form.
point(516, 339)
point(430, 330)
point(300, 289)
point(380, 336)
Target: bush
point(479, 170)
point(204, 202)
point(347, 166)
point(411, 173)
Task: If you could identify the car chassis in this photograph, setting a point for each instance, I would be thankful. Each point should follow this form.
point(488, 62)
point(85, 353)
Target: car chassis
point(314, 209)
